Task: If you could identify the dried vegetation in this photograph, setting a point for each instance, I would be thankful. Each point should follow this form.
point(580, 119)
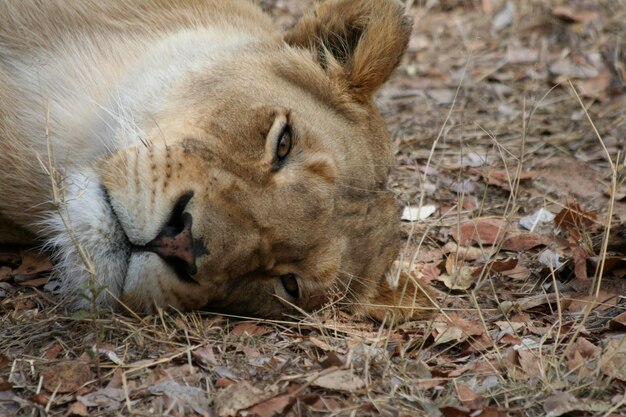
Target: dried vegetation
point(509, 120)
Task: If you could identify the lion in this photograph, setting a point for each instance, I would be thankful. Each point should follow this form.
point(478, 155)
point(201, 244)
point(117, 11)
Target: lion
point(188, 154)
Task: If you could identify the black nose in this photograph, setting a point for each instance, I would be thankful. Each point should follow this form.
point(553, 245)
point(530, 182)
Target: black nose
point(175, 242)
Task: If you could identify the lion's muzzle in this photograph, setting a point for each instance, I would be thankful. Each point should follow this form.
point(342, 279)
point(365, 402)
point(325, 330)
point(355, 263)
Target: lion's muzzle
point(175, 243)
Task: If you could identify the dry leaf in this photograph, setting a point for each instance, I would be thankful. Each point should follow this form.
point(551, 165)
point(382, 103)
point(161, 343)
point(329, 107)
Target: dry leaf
point(568, 69)
point(449, 334)
point(529, 362)
point(517, 55)
point(234, 398)
point(66, 376)
point(78, 409)
point(339, 379)
point(491, 231)
point(413, 214)
point(603, 301)
point(527, 303)
point(501, 178)
point(580, 358)
point(276, 406)
point(4, 361)
point(190, 397)
point(574, 218)
point(521, 241)
point(568, 14)
point(504, 17)
point(321, 344)
point(33, 263)
point(579, 256)
point(429, 383)
point(249, 329)
point(106, 397)
point(442, 96)
point(205, 357)
point(613, 361)
point(484, 231)
point(469, 398)
point(540, 216)
point(5, 273)
point(462, 278)
point(561, 403)
point(615, 323)
point(596, 86)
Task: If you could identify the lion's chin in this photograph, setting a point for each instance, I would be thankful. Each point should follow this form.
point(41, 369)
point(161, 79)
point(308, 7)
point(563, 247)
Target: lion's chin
point(91, 250)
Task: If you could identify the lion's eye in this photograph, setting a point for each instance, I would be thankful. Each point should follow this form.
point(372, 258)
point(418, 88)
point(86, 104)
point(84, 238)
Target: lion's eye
point(284, 143)
point(290, 284)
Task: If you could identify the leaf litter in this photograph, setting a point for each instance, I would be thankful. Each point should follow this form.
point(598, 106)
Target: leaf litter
point(524, 256)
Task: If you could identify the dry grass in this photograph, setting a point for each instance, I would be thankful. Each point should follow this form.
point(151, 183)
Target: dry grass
point(487, 124)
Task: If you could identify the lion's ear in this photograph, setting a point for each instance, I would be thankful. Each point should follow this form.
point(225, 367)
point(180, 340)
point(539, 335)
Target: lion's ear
point(407, 301)
point(358, 42)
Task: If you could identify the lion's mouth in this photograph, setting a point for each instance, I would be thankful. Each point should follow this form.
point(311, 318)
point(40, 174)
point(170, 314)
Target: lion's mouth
point(175, 243)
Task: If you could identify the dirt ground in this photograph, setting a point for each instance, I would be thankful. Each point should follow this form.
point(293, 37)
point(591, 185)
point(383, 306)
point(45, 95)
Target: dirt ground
point(509, 124)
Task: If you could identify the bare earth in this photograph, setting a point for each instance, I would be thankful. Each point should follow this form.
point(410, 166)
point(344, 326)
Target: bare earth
point(499, 110)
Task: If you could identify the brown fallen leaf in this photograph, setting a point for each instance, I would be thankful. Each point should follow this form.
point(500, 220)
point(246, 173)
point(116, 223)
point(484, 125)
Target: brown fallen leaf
point(78, 409)
point(223, 382)
point(561, 403)
point(485, 231)
point(429, 383)
point(529, 361)
point(33, 262)
point(4, 361)
point(455, 329)
point(250, 329)
point(464, 253)
point(53, 351)
point(105, 397)
point(571, 15)
point(575, 220)
point(5, 273)
point(455, 411)
point(276, 406)
point(595, 87)
point(580, 359)
point(520, 272)
point(503, 265)
point(35, 282)
point(205, 357)
point(469, 397)
point(501, 178)
point(66, 376)
point(321, 344)
point(530, 302)
point(603, 301)
point(521, 241)
point(618, 322)
point(492, 231)
point(234, 398)
point(338, 379)
point(458, 276)
point(321, 404)
point(518, 55)
point(613, 361)
point(41, 399)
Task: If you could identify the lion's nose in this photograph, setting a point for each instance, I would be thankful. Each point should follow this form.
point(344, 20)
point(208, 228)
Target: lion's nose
point(175, 242)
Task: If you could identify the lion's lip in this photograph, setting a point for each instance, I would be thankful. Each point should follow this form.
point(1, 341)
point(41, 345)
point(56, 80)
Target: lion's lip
point(127, 244)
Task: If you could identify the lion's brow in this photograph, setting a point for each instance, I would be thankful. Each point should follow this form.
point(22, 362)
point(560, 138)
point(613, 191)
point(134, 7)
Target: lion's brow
point(328, 95)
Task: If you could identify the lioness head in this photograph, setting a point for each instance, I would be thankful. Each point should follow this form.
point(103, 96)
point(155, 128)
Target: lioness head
point(258, 186)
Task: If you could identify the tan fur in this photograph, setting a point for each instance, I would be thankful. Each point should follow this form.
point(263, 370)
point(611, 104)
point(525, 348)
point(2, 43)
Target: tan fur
point(142, 102)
